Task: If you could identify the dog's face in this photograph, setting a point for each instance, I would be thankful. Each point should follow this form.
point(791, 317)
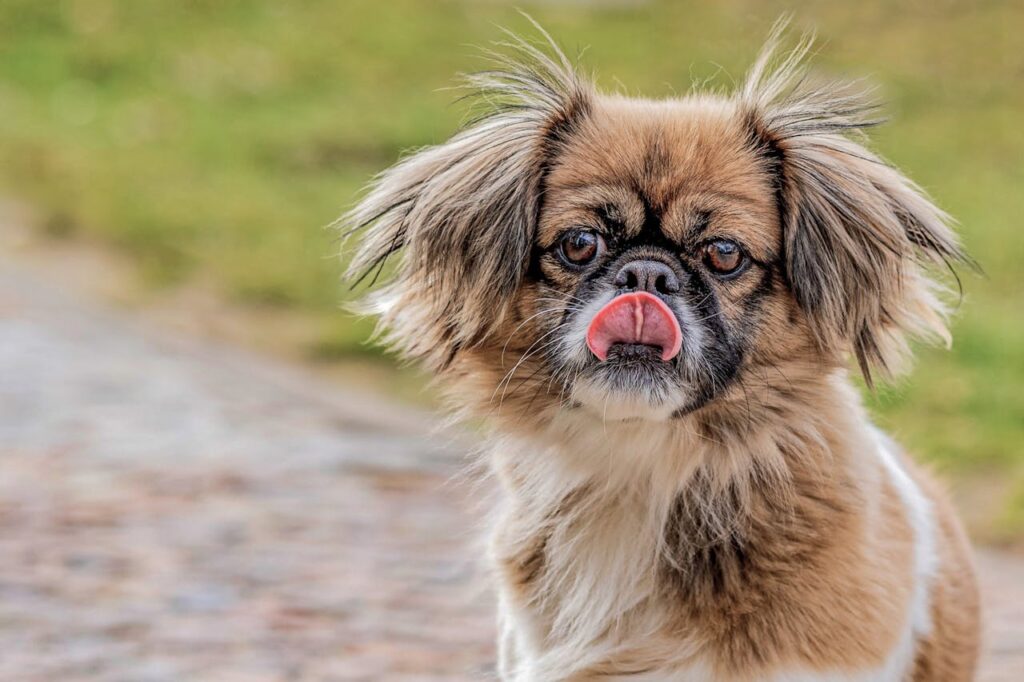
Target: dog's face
point(639, 259)
point(670, 201)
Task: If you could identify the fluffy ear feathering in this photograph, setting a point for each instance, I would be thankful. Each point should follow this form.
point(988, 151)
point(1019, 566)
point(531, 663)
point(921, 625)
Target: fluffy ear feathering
point(858, 236)
point(465, 212)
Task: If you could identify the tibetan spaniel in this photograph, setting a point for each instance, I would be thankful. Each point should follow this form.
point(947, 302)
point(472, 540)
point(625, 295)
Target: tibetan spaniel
point(656, 306)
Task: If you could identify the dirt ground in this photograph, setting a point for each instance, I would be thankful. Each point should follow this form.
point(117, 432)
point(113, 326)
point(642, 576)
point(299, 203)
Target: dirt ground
point(176, 509)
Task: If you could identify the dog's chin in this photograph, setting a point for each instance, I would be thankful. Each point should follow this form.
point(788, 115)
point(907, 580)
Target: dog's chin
point(632, 384)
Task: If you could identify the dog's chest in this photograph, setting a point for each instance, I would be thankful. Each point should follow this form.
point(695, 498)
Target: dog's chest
point(697, 593)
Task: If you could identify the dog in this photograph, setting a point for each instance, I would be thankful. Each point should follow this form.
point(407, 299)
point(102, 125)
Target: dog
point(657, 307)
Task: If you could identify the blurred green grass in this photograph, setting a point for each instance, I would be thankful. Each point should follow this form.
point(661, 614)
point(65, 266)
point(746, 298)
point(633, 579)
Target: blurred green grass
point(220, 137)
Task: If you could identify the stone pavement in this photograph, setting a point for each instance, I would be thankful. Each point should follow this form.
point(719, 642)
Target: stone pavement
point(171, 509)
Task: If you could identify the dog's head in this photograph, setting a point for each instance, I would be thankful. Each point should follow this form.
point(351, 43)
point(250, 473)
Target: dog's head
point(571, 250)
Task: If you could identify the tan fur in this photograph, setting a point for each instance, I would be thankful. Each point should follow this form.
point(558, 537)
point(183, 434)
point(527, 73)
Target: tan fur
point(735, 521)
point(819, 578)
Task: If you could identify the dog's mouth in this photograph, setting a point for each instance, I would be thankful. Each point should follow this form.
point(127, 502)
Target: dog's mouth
point(627, 353)
point(624, 357)
point(634, 327)
point(633, 342)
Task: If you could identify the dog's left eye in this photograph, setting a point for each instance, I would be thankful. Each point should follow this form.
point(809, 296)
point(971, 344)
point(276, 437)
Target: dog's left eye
point(579, 247)
point(724, 257)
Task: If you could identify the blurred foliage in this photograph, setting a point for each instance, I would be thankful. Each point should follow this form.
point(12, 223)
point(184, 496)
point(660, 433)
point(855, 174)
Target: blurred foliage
point(222, 136)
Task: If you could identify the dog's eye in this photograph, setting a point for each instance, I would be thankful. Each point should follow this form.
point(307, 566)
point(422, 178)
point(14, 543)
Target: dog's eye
point(580, 247)
point(723, 257)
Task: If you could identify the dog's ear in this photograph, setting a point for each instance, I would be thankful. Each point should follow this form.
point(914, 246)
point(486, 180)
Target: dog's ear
point(463, 214)
point(859, 237)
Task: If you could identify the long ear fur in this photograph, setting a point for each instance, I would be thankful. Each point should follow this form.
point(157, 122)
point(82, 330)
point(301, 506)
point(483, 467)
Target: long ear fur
point(858, 234)
point(463, 213)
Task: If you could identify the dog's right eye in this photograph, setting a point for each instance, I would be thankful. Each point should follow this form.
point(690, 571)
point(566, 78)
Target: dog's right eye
point(579, 247)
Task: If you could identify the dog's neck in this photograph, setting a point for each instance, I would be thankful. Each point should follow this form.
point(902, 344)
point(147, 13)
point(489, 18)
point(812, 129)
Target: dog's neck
point(767, 431)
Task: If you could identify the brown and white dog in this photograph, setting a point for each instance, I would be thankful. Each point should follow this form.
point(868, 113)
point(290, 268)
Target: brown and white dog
point(654, 304)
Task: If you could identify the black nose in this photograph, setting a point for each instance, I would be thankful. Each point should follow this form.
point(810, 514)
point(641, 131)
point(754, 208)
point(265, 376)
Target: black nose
point(651, 276)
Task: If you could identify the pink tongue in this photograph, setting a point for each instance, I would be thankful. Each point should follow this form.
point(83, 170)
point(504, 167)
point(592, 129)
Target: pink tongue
point(635, 318)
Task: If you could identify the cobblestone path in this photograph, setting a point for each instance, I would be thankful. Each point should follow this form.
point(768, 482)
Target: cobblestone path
point(175, 510)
